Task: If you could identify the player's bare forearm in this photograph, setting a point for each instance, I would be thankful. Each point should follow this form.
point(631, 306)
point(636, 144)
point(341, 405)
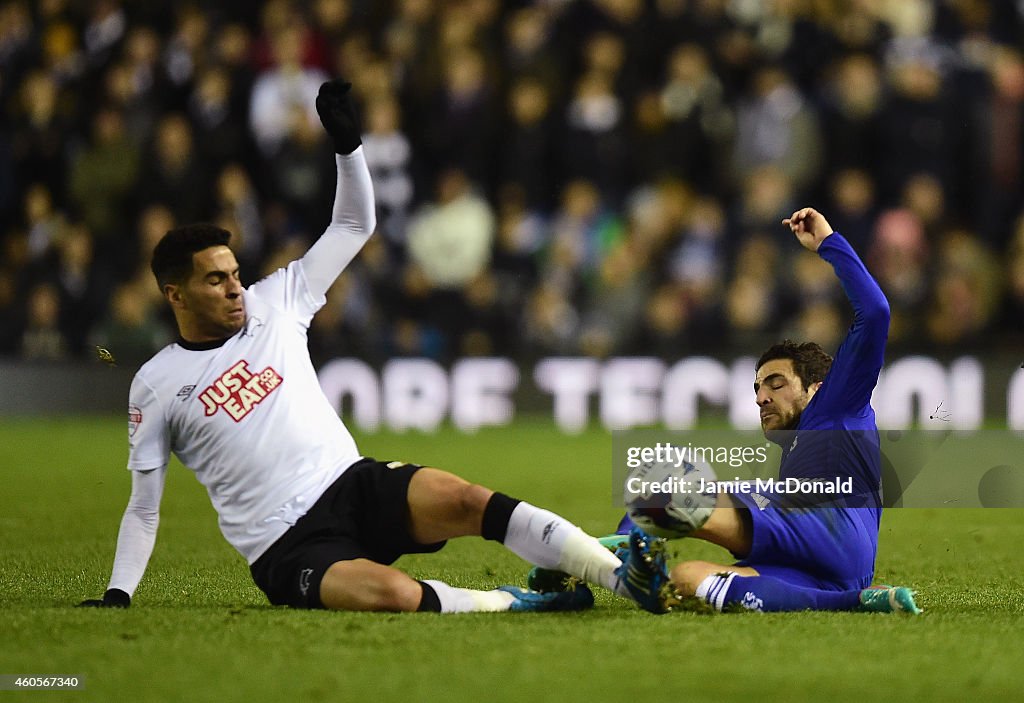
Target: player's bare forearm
point(810, 227)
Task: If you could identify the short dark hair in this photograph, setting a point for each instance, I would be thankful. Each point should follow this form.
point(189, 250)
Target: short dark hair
point(810, 361)
point(172, 256)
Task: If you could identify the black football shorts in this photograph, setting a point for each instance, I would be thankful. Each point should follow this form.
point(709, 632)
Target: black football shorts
point(364, 514)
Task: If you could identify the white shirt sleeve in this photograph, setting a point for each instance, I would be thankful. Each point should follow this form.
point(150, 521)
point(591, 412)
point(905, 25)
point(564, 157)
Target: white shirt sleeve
point(352, 222)
point(301, 288)
point(137, 535)
point(149, 439)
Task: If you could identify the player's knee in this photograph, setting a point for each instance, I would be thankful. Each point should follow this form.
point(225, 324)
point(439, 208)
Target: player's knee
point(687, 575)
point(473, 501)
point(463, 501)
point(396, 592)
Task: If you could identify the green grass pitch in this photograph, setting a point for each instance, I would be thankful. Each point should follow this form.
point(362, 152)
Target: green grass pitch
point(200, 630)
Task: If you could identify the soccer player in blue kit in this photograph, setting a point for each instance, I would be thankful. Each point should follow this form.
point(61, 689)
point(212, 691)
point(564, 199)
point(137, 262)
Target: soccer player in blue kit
point(795, 555)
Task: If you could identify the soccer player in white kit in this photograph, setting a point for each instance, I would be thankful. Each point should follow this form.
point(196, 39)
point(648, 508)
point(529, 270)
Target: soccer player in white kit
point(236, 398)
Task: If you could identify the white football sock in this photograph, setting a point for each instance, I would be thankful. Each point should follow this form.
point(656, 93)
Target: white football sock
point(713, 588)
point(465, 600)
point(552, 542)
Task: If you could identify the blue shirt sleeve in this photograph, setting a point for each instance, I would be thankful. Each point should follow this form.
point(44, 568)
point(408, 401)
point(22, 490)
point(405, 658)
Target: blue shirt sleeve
point(849, 383)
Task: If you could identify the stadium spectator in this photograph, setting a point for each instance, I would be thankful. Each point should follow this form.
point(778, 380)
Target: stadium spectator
point(593, 147)
point(461, 120)
point(102, 179)
point(582, 231)
point(450, 240)
point(10, 313)
point(854, 202)
point(137, 84)
point(1012, 311)
point(83, 284)
point(172, 172)
point(389, 157)
point(922, 130)
point(284, 93)
point(44, 222)
point(42, 338)
point(612, 313)
point(966, 290)
point(777, 128)
point(925, 199)
point(853, 98)
point(528, 144)
point(864, 106)
point(528, 47)
point(997, 145)
point(151, 224)
point(753, 300)
point(238, 205)
point(899, 258)
point(185, 50)
point(219, 124)
point(131, 326)
point(40, 136)
point(550, 322)
point(699, 125)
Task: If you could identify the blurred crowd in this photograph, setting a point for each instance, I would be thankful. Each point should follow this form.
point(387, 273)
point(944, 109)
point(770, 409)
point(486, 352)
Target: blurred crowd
point(555, 177)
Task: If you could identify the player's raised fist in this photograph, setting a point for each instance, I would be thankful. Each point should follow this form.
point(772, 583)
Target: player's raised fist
point(809, 226)
point(338, 115)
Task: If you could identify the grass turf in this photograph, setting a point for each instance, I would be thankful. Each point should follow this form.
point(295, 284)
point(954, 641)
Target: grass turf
point(200, 630)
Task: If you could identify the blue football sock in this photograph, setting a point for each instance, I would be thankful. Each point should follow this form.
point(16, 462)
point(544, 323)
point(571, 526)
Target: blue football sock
point(772, 595)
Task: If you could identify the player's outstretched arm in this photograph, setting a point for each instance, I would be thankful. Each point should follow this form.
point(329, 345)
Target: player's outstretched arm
point(855, 369)
point(353, 218)
point(135, 540)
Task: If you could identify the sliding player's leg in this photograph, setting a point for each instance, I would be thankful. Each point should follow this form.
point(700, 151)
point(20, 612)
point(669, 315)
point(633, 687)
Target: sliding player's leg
point(442, 505)
point(362, 584)
point(794, 559)
point(764, 588)
point(779, 589)
point(338, 555)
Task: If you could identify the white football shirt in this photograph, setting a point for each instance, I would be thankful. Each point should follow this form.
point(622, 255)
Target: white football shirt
point(247, 417)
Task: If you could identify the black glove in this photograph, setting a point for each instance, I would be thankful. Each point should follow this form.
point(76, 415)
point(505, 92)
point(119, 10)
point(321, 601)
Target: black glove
point(338, 114)
point(113, 598)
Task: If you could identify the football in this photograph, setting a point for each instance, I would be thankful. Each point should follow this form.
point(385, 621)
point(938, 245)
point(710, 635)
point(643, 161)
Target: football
point(669, 500)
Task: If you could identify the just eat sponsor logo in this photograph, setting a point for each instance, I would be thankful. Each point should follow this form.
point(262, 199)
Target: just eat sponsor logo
point(239, 390)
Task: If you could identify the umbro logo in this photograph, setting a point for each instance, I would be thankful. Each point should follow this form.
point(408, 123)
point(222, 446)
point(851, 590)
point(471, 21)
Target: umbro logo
point(186, 391)
point(549, 529)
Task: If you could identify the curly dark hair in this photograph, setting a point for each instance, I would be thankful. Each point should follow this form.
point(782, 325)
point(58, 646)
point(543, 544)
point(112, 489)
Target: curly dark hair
point(172, 256)
point(810, 361)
